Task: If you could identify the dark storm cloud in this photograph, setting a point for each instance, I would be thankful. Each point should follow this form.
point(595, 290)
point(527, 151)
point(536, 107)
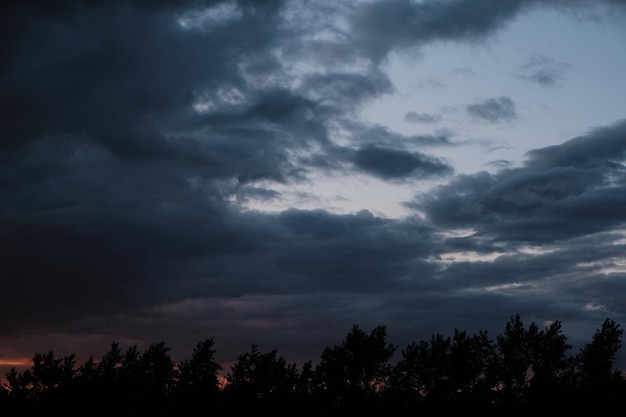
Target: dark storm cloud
point(493, 109)
point(382, 26)
point(603, 147)
point(342, 253)
point(116, 191)
point(132, 129)
point(395, 164)
point(74, 78)
point(109, 174)
point(126, 77)
point(563, 191)
point(105, 234)
point(253, 140)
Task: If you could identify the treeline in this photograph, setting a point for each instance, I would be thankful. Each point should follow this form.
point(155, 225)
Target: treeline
point(525, 368)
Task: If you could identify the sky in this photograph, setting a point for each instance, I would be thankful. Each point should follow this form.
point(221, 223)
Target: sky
point(273, 173)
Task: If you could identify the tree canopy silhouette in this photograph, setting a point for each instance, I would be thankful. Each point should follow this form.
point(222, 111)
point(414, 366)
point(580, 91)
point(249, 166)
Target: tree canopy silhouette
point(524, 367)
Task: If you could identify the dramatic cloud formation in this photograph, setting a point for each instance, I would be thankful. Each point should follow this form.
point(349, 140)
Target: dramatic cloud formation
point(175, 170)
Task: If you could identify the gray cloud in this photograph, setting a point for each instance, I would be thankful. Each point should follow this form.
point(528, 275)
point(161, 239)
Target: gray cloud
point(380, 27)
point(395, 164)
point(378, 135)
point(602, 147)
point(493, 109)
point(129, 139)
point(544, 76)
point(500, 164)
point(415, 117)
point(543, 70)
point(345, 89)
point(549, 199)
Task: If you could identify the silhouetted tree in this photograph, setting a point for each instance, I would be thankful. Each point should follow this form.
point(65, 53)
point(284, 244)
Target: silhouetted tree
point(595, 360)
point(128, 388)
point(263, 378)
point(132, 379)
point(88, 372)
point(109, 366)
point(305, 380)
point(45, 383)
point(21, 385)
point(471, 357)
point(153, 373)
point(49, 374)
point(525, 370)
point(358, 369)
point(199, 377)
point(514, 360)
point(86, 384)
point(5, 397)
point(550, 364)
point(158, 368)
point(435, 368)
point(410, 377)
point(445, 371)
point(598, 378)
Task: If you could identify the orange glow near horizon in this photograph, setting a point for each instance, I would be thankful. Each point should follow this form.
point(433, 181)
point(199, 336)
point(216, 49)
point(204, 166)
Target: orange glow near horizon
point(20, 365)
point(16, 362)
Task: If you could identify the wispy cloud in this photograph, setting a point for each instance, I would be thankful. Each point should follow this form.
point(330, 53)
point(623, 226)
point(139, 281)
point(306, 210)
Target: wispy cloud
point(415, 117)
point(493, 109)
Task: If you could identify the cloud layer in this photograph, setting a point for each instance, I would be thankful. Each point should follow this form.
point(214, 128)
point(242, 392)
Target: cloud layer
point(132, 131)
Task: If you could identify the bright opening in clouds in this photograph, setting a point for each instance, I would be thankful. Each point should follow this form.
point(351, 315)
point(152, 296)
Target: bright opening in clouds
point(275, 172)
